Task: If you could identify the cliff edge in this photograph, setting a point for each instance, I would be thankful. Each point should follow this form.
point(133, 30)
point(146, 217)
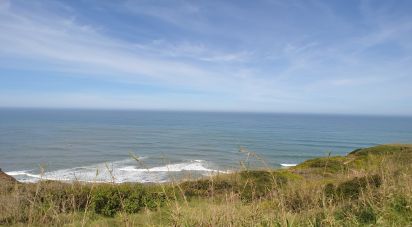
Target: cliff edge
point(6, 178)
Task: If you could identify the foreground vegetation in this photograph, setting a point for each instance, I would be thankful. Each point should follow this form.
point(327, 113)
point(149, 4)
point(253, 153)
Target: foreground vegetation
point(371, 186)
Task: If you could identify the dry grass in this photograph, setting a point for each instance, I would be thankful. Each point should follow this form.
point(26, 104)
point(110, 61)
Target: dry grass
point(368, 187)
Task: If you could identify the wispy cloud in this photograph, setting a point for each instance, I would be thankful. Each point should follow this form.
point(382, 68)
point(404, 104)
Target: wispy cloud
point(79, 46)
point(266, 56)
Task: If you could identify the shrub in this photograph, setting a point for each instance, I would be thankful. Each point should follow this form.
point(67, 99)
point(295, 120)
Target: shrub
point(401, 205)
point(265, 179)
point(319, 218)
point(106, 200)
point(328, 165)
point(344, 211)
point(297, 202)
point(329, 190)
point(353, 187)
point(133, 200)
point(366, 215)
point(196, 188)
point(249, 193)
point(382, 150)
point(154, 200)
point(205, 187)
point(256, 184)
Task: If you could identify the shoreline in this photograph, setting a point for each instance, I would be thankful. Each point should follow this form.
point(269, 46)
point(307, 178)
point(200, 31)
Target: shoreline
point(185, 175)
point(171, 172)
point(170, 179)
point(277, 196)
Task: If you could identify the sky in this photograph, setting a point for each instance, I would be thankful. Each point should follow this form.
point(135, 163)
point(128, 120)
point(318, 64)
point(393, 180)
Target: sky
point(346, 57)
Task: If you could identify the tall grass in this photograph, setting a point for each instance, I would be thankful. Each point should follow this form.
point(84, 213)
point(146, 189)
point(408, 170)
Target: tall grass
point(369, 187)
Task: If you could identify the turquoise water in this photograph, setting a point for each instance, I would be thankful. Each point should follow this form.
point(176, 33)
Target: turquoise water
point(73, 144)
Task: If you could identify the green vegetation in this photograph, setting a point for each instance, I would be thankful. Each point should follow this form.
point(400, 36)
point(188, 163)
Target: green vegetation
point(371, 186)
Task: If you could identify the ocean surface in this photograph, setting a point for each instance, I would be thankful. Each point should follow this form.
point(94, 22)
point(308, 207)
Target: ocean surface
point(103, 145)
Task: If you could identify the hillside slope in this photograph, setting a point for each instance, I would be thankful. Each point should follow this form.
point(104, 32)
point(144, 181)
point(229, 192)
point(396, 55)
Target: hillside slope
point(4, 178)
point(371, 186)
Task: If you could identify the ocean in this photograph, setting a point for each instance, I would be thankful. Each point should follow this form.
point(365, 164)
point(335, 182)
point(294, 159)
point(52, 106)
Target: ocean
point(103, 145)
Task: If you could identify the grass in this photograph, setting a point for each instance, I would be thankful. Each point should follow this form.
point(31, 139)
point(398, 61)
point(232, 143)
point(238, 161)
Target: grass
point(371, 186)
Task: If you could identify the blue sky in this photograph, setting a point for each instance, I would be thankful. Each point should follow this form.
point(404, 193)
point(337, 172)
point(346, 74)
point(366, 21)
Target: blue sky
point(350, 57)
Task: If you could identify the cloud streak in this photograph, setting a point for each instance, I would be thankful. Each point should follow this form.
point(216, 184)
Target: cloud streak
point(274, 65)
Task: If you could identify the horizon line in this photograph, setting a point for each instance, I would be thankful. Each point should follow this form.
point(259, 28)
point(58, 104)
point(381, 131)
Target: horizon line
point(206, 111)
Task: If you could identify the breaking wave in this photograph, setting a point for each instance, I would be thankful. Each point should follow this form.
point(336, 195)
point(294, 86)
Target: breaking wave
point(120, 172)
point(288, 164)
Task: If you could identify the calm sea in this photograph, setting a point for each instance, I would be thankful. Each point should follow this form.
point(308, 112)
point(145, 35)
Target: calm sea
point(97, 145)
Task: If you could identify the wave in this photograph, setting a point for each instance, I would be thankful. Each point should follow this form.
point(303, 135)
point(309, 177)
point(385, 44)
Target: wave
point(195, 165)
point(288, 164)
point(22, 175)
point(120, 172)
point(17, 173)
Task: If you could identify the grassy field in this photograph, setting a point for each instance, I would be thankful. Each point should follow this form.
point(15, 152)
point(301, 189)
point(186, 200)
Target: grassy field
point(371, 186)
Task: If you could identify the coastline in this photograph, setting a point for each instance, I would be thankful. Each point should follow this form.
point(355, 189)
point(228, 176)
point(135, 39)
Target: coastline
point(185, 175)
point(278, 196)
point(171, 173)
point(6, 178)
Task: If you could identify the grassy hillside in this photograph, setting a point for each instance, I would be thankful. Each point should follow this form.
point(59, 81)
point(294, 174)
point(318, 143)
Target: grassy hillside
point(371, 186)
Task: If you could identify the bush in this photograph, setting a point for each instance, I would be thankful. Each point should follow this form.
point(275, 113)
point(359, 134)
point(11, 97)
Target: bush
point(297, 202)
point(196, 188)
point(133, 200)
point(344, 211)
point(329, 165)
point(205, 187)
point(319, 218)
point(256, 184)
point(154, 200)
point(330, 190)
point(352, 188)
point(366, 215)
point(250, 192)
point(106, 201)
point(382, 150)
point(401, 205)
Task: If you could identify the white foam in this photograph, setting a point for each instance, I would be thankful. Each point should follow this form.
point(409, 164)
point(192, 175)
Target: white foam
point(17, 173)
point(195, 165)
point(23, 173)
point(288, 164)
point(118, 172)
point(128, 169)
point(24, 176)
